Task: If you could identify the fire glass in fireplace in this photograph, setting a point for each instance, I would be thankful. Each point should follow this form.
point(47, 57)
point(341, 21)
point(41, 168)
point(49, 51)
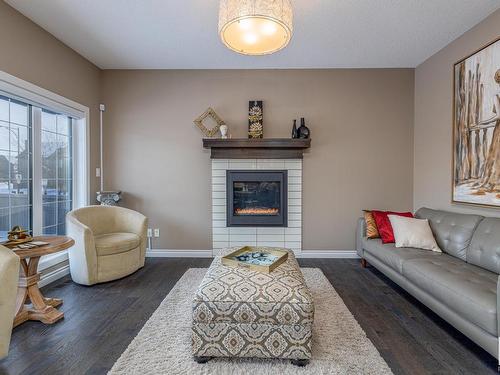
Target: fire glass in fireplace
point(257, 198)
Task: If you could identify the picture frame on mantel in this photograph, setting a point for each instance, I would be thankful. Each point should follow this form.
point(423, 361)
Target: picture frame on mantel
point(476, 128)
point(209, 114)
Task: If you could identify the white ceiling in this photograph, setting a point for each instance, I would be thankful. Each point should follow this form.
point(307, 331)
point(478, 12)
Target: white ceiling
point(182, 34)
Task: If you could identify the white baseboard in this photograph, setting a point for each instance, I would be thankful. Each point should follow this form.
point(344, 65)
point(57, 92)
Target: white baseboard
point(164, 253)
point(53, 275)
point(332, 254)
point(51, 260)
point(52, 267)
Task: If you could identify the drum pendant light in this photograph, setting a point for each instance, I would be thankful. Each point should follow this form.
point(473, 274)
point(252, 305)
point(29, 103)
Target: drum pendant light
point(255, 27)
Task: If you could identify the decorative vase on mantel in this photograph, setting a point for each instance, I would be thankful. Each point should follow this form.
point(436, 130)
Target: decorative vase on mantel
point(295, 132)
point(109, 198)
point(255, 119)
point(303, 130)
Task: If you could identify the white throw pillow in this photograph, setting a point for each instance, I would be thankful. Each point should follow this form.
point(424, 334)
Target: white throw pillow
point(410, 232)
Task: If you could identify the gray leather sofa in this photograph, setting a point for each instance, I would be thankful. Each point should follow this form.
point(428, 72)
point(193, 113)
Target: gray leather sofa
point(460, 284)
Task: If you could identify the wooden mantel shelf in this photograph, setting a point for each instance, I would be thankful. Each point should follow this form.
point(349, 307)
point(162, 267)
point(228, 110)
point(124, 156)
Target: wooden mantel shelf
point(266, 148)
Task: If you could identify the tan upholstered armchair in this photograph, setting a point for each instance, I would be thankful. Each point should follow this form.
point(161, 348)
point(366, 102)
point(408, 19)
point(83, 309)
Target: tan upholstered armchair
point(110, 243)
point(9, 274)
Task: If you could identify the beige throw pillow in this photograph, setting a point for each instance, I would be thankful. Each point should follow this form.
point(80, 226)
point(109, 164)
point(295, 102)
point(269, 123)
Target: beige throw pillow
point(410, 232)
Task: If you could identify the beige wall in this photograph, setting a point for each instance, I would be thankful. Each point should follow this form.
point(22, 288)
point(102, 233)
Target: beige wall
point(32, 54)
point(361, 155)
point(361, 122)
point(433, 119)
point(365, 151)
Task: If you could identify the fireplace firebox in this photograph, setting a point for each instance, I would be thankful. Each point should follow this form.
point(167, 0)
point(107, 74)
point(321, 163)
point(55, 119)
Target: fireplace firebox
point(257, 198)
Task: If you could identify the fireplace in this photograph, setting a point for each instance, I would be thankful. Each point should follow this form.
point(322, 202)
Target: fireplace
point(257, 198)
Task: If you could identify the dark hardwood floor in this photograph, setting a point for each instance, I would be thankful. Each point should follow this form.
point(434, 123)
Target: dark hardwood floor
point(100, 321)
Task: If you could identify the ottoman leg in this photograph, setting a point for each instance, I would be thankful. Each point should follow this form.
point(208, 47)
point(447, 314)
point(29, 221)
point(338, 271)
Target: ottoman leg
point(202, 359)
point(300, 362)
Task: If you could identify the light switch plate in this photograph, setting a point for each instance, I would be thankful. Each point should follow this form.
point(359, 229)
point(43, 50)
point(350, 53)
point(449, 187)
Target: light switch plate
point(157, 232)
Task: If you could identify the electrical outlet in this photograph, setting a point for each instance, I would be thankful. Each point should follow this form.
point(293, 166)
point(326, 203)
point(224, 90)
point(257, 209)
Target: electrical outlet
point(150, 232)
point(157, 232)
point(98, 172)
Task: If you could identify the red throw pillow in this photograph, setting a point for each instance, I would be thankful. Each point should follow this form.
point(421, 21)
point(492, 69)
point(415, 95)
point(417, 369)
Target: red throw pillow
point(384, 224)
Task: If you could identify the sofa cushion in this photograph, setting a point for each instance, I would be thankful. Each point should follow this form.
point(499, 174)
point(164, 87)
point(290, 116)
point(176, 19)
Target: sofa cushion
point(395, 257)
point(114, 243)
point(484, 249)
point(468, 290)
point(453, 232)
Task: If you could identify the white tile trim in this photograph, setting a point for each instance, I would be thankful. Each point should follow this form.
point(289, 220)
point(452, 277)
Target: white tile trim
point(241, 238)
point(289, 231)
point(270, 230)
point(271, 237)
point(243, 230)
point(290, 237)
point(241, 244)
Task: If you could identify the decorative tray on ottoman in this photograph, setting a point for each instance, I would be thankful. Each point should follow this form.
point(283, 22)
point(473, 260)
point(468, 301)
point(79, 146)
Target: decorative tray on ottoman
point(262, 259)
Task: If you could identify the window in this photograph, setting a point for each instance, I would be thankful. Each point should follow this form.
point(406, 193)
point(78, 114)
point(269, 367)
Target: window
point(15, 165)
point(57, 171)
point(36, 167)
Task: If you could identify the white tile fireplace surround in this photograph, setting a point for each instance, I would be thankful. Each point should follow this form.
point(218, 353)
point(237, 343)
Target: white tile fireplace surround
point(224, 236)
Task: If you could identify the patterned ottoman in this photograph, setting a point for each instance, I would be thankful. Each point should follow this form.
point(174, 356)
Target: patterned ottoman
point(238, 312)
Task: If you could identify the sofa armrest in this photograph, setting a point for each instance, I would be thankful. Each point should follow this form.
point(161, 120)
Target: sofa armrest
point(9, 273)
point(360, 234)
point(82, 255)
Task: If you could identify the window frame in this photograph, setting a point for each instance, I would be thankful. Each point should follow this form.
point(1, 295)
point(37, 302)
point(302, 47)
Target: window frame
point(27, 176)
point(40, 98)
point(37, 188)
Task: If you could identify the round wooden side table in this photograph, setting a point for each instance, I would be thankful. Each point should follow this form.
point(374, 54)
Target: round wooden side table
point(40, 308)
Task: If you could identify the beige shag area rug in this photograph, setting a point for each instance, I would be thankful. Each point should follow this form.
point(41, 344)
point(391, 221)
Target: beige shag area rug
point(163, 346)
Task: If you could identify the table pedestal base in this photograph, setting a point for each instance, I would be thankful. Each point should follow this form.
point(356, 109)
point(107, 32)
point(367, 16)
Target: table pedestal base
point(41, 308)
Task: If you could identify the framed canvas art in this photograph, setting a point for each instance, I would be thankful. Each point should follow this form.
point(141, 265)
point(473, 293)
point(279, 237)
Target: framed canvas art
point(476, 128)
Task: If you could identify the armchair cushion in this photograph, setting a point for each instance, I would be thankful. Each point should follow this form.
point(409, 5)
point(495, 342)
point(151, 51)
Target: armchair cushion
point(115, 243)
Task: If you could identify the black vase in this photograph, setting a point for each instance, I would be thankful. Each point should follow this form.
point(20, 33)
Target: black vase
point(303, 131)
point(295, 133)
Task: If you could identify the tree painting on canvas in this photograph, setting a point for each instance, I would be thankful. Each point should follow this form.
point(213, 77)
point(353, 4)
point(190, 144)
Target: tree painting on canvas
point(476, 128)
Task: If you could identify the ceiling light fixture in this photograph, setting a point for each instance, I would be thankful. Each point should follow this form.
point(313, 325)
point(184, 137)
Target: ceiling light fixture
point(255, 27)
